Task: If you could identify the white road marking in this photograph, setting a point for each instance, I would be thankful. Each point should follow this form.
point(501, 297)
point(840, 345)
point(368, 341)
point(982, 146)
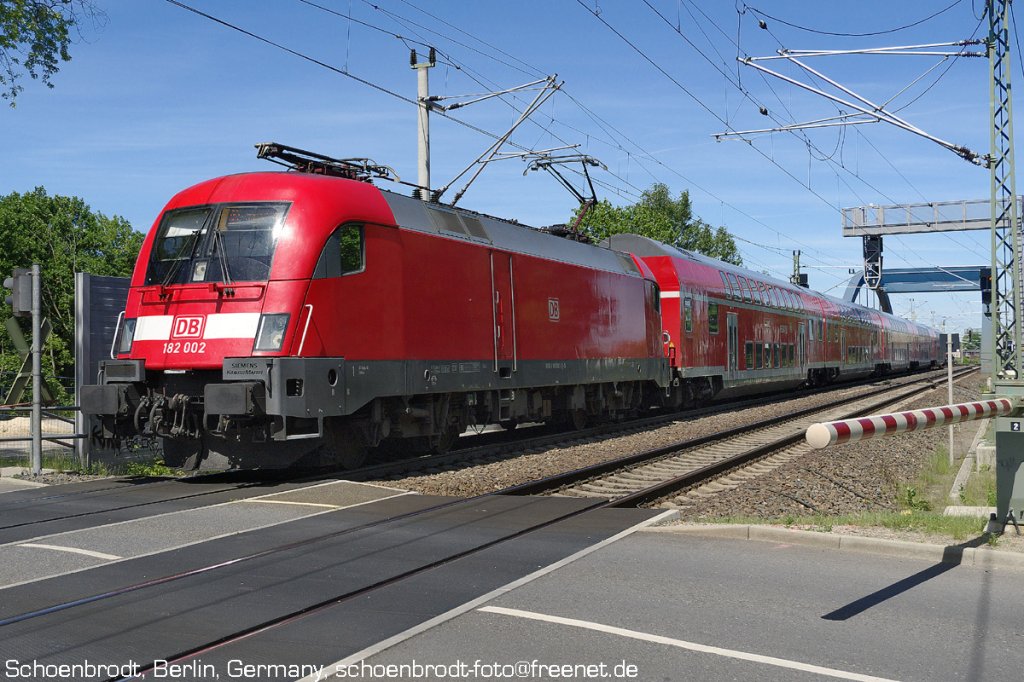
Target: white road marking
point(327, 671)
point(73, 550)
point(690, 646)
point(185, 544)
point(300, 504)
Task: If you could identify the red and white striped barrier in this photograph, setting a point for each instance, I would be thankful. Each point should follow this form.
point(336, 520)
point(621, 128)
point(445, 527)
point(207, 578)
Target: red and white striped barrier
point(851, 430)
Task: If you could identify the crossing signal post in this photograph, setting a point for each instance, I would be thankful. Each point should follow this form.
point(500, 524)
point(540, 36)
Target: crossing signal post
point(26, 301)
point(986, 291)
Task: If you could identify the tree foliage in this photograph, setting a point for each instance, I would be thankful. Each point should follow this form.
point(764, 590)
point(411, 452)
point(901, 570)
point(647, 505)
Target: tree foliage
point(35, 36)
point(64, 236)
point(658, 216)
point(970, 339)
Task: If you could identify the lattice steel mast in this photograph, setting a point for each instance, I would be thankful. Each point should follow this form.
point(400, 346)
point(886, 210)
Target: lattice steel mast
point(1006, 238)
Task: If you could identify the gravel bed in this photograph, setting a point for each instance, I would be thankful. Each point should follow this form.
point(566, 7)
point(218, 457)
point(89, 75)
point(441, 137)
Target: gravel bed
point(467, 479)
point(59, 477)
point(863, 476)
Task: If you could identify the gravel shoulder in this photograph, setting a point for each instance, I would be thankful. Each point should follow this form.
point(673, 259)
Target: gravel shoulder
point(466, 479)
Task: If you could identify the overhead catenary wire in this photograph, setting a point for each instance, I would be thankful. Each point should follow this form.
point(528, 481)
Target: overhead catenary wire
point(700, 102)
point(337, 70)
point(347, 73)
point(871, 186)
point(408, 26)
point(634, 191)
point(896, 29)
point(727, 76)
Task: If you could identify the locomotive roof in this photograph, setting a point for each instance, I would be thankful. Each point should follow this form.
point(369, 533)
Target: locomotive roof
point(411, 214)
point(414, 214)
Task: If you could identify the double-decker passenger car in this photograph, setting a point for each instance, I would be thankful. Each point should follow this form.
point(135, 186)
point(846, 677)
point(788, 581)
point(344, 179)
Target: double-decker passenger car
point(731, 331)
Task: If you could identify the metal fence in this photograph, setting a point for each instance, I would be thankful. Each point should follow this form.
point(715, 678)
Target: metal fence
point(58, 434)
point(59, 437)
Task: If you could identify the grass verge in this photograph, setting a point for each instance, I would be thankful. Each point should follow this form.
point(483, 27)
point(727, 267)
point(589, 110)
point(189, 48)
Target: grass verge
point(957, 528)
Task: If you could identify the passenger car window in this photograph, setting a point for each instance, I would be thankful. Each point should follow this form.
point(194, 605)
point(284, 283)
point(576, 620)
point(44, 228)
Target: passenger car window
point(734, 286)
point(745, 288)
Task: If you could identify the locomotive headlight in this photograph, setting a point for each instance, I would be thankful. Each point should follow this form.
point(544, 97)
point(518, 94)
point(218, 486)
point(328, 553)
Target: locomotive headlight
point(270, 335)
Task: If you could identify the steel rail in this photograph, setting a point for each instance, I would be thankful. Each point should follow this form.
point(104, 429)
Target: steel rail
point(710, 471)
point(578, 475)
point(344, 596)
point(507, 445)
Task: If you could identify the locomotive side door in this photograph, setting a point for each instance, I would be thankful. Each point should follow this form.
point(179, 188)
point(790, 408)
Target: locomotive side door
point(733, 332)
point(503, 302)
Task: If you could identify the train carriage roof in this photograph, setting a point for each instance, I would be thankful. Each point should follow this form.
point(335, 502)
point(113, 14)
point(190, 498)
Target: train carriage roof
point(645, 247)
point(414, 214)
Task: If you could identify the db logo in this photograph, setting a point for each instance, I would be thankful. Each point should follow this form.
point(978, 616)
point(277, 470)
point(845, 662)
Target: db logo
point(188, 327)
point(554, 311)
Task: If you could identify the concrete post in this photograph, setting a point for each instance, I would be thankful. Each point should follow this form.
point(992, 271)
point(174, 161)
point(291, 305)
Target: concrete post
point(423, 123)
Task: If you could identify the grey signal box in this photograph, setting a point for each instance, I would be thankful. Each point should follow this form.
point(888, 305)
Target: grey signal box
point(21, 292)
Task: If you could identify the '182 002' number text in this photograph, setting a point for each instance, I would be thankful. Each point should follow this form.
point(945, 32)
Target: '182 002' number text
point(185, 347)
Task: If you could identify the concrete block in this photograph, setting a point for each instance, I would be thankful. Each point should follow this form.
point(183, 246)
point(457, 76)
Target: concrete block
point(711, 530)
point(671, 518)
point(962, 510)
point(985, 456)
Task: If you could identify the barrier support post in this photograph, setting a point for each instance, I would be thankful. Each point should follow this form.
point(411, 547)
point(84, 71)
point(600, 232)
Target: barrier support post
point(1009, 471)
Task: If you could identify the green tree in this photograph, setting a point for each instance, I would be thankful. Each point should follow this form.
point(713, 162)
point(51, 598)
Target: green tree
point(658, 216)
point(35, 36)
point(64, 236)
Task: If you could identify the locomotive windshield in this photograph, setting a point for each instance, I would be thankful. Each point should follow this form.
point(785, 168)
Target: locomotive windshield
point(222, 243)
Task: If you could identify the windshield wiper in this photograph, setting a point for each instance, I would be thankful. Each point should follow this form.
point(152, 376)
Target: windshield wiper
point(222, 257)
point(172, 272)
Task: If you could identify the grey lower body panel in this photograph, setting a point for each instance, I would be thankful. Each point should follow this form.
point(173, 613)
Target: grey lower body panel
point(323, 387)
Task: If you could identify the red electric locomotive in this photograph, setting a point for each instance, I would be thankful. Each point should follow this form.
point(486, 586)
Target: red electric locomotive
point(732, 331)
point(272, 313)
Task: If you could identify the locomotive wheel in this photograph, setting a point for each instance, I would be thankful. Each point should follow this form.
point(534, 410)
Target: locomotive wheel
point(347, 443)
point(444, 441)
point(509, 424)
point(182, 454)
point(578, 419)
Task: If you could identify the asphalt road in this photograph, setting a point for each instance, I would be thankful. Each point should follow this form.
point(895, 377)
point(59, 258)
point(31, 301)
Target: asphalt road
point(688, 608)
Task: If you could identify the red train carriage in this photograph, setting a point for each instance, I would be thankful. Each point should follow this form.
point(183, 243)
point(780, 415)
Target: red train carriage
point(731, 331)
point(268, 311)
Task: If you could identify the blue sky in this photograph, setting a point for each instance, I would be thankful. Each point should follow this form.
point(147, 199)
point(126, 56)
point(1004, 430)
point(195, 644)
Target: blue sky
point(158, 98)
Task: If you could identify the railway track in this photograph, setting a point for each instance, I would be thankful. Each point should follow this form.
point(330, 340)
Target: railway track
point(490, 447)
point(317, 558)
point(75, 506)
point(674, 475)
